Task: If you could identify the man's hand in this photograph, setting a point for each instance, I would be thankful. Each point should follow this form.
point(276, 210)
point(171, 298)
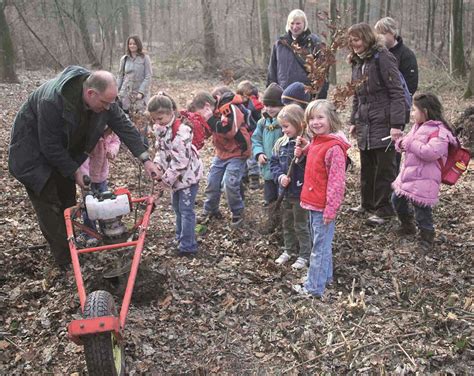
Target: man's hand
point(262, 159)
point(151, 170)
point(79, 177)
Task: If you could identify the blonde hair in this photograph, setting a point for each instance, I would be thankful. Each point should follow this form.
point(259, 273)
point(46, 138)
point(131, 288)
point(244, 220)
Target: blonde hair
point(294, 115)
point(328, 109)
point(294, 14)
point(386, 25)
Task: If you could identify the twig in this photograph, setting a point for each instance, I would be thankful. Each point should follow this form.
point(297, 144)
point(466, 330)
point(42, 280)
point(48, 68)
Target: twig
point(408, 356)
point(14, 344)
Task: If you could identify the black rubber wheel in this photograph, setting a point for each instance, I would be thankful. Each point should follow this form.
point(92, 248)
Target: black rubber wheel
point(104, 353)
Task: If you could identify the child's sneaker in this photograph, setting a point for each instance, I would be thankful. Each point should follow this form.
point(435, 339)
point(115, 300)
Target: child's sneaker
point(283, 258)
point(236, 221)
point(301, 290)
point(300, 263)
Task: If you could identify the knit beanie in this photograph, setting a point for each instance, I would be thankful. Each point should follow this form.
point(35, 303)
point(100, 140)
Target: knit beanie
point(295, 93)
point(272, 95)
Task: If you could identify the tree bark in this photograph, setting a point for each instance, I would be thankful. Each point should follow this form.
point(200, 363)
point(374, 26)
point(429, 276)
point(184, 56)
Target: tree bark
point(469, 93)
point(362, 11)
point(210, 49)
point(354, 12)
point(125, 23)
point(457, 61)
point(86, 40)
point(7, 54)
point(382, 9)
point(264, 31)
point(333, 15)
point(143, 13)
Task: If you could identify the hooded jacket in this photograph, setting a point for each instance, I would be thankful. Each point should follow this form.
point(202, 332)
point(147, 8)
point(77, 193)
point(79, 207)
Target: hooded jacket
point(377, 106)
point(42, 137)
point(420, 175)
point(263, 139)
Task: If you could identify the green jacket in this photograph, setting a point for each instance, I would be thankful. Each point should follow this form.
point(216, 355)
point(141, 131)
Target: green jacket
point(268, 131)
point(43, 130)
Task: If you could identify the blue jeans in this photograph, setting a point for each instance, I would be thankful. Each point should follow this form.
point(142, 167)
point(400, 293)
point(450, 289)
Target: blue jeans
point(270, 191)
point(252, 167)
point(96, 188)
point(320, 272)
point(423, 214)
point(183, 206)
point(230, 171)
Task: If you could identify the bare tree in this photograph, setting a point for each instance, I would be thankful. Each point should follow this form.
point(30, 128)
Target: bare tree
point(7, 55)
point(469, 93)
point(362, 11)
point(457, 62)
point(210, 49)
point(333, 15)
point(125, 22)
point(264, 30)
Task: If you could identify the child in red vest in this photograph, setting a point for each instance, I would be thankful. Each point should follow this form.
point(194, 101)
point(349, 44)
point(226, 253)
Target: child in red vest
point(323, 188)
point(181, 168)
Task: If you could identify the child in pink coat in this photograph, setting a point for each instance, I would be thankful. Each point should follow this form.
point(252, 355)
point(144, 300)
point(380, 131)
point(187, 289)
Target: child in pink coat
point(419, 180)
point(97, 168)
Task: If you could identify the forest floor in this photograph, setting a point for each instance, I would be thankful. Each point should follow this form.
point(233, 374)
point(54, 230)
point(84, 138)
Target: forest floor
point(230, 310)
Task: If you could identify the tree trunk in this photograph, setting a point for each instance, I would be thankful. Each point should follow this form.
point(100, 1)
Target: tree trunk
point(125, 23)
point(382, 9)
point(433, 16)
point(388, 9)
point(86, 40)
point(301, 4)
point(428, 25)
point(264, 31)
point(210, 49)
point(469, 93)
point(7, 55)
point(143, 13)
point(333, 15)
point(354, 12)
point(362, 11)
point(457, 62)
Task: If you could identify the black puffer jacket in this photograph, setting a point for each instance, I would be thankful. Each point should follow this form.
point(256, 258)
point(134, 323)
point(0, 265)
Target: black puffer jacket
point(42, 134)
point(407, 64)
point(285, 67)
point(377, 106)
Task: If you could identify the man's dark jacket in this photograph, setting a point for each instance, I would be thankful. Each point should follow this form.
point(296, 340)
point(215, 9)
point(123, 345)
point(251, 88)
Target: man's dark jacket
point(42, 133)
point(407, 64)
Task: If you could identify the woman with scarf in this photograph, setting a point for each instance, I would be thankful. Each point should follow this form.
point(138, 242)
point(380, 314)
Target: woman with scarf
point(286, 65)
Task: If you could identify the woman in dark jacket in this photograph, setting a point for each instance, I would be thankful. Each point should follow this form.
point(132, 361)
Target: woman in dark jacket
point(378, 112)
point(285, 65)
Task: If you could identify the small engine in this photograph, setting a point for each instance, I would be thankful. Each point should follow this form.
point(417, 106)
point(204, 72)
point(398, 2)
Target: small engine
point(108, 208)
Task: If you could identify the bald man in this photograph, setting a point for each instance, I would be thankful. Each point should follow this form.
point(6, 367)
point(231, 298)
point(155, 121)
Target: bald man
point(53, 133)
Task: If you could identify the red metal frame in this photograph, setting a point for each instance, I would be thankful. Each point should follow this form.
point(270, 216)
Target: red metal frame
point(78, 328)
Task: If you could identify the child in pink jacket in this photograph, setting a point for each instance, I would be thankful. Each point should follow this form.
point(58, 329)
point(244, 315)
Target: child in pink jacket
point(97, 167)
point(419, 180)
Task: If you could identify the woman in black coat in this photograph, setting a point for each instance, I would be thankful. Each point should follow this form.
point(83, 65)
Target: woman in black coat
point(378, 116)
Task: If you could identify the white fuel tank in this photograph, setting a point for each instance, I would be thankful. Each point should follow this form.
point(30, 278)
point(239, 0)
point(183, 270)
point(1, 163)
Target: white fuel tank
point(108, 208)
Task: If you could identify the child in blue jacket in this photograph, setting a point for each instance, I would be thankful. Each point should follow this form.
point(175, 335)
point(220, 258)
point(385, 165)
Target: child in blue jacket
point(296, 236)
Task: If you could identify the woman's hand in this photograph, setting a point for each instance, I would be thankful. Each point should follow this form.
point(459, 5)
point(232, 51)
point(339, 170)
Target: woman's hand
point(352, 131)
point(262, 159)
point(396, 133)
point(285, 181)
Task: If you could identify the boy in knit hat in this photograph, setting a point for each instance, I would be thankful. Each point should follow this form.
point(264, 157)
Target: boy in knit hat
point(296, 93)
point(263, 139)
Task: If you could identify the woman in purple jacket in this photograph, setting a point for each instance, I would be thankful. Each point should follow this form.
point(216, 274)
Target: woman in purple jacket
point(419, 179)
